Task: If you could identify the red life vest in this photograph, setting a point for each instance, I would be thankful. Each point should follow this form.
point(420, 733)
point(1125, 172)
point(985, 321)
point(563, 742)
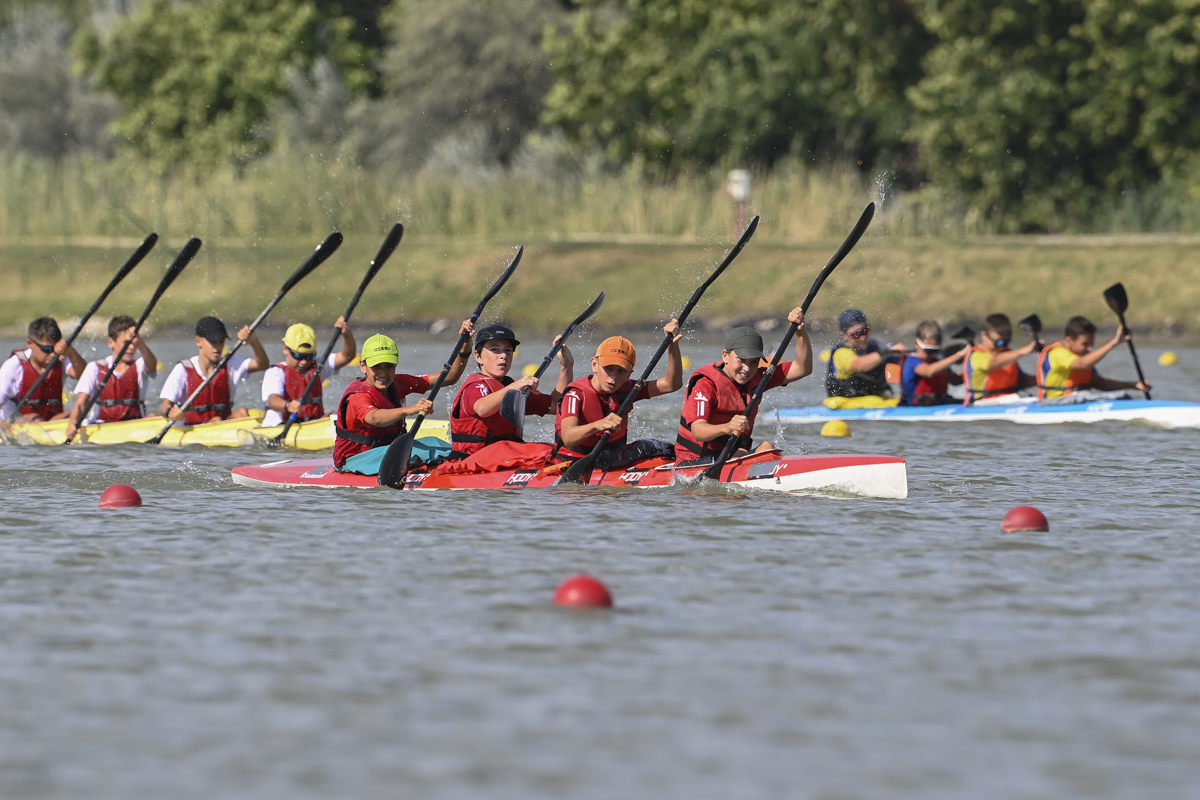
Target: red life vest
point(731, 400)
point(470, 434)
point(214, 402)
point(363, 437)
point(294, 384)
point(595, 406)
point(1003, 380)
point(47, 400)
point(121, 397)
point(1076, 378)
point(929, 390)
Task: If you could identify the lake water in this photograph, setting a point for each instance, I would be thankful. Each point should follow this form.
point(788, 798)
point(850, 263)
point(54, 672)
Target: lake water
point(228, 642)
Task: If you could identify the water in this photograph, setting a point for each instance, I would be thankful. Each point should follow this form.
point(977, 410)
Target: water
point(227, 642)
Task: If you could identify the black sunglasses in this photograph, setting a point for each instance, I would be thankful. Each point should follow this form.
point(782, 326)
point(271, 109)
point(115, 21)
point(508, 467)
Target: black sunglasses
point(45, 348)
point(301, 356)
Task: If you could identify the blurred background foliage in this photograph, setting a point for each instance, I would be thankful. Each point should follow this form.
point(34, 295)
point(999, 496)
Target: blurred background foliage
point(598, 116)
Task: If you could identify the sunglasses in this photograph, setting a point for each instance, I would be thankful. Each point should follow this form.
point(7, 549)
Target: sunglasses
point(930, 348)
point(865, 332)
point(45, 348)
point(301, 356)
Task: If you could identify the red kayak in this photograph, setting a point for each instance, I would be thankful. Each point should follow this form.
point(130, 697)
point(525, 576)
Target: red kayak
point(869, 476)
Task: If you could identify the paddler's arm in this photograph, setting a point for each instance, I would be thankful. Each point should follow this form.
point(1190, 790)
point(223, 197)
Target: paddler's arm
point(73, 418)
point(349, 346)
point(460, 360)
point(803, 365)
point(1009, 356)
point(1110, 385)
point(574, 435)
point(705, 431)
point(1093, 358)
point(148, 357)
point(566, 372)
point(383, 417)
point(489, 405)
point(77, 362)
point(673, 380)
point(928, 370)
point(261, 360)
point(868, 362)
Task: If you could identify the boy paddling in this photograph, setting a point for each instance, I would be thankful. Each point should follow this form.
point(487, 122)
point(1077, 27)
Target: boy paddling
point(589, 405)
point(124, 396)
point(858, 366)
point(924, 377)
point(718, 393)
point(475, 420)
point(1068, 367)
point(285, 382)
point(216, 401)
point(370, 413)
point(991, 373)
point(24, 367)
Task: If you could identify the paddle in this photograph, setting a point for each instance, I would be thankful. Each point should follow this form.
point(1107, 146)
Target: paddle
point(185, 256)
point(1033, 326)
point(324, 250)
point(581, 469)
point(143, 249)
point(714, 471)
point(385, 252)
point(1118, 301)
point(512, 405)
point(393, 468)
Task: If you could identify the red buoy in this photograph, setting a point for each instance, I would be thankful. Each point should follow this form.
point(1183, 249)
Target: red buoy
point(120, 496)
point(1024, 518)
point(583, 591)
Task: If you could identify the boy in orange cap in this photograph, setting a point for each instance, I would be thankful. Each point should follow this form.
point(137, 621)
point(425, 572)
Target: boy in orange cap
point(589, 405)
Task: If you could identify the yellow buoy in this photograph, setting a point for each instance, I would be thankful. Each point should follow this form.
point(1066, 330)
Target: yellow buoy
point(327, 383)
point(687, 362)
point(161, 366)
point(353, 362)
point(1167, 359)
point(529, 369)
point(835, 427)
point(824, 354)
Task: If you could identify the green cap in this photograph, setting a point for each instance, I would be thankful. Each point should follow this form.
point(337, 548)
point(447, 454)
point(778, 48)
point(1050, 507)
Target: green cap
point(746, 343)
point(380, 349)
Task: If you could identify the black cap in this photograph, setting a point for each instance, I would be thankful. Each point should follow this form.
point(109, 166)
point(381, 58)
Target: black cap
point(746, 343)
point(851, 317)
point(490, 332)
point(212, 329)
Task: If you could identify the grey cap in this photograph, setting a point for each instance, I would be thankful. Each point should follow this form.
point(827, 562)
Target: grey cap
point(746, 343)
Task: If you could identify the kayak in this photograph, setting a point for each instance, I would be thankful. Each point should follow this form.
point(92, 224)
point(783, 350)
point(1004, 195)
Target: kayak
point(314, 435)
point(869, 476)
point(1165, 413)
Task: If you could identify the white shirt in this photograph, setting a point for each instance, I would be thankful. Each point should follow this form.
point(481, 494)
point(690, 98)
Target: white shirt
point(175, 387)
point(11, 373)
point(91, 379)
point(274, 382)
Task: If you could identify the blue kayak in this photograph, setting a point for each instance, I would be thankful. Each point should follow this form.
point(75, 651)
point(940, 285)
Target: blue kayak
point(1166, 413)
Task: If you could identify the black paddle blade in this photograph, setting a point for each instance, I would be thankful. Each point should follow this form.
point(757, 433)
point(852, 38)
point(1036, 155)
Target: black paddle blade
point(390, 243)
point(143, 250)
point(512, 409)
point(393, 469)
point(860, 227)
point(965, 333)
point(1116, 298)
point(590, 312)
point(1031, 325)
point(324, 250)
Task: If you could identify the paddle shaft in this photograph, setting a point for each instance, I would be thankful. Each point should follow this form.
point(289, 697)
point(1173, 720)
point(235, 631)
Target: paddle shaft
point(385, 252)
point(562, 339)
point(575, 472)
point(1137, 365)
point(185, 255)
point(143, 249)
point(864, 221)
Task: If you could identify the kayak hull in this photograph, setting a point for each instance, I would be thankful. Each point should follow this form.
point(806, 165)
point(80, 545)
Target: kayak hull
point(1163, 413)
point(869, 476)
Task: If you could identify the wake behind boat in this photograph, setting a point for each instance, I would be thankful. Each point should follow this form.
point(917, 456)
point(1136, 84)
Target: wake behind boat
point(1164, 413)
point(864, 475)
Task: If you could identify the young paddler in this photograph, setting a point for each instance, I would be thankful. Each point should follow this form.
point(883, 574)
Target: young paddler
point(718, 393)
point(475, 420)
point(589, 405)
point(216, 401)
point(24, 367)
point(925, 376)
point(124, 396)
point(371, 412)
point(990, 369)
point(858, 366)
point(284, 383)
point(1068, 367)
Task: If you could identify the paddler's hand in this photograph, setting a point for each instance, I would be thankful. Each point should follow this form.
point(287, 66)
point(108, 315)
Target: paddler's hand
point(796, 317)
point(672, 329)
point(737, 426)
point(1123, 335)
point(467, 328)
point(248, 336)
point(341, 324)
point(521, 383)
point(609, 423)
point(293, 407)
point(60, 347)
point(1144, 386)
point(72, 429)
point(422, 406)
point(565, 359)
point(176, 414)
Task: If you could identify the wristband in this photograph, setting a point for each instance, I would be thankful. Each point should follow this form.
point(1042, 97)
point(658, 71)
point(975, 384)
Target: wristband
point(464, 354)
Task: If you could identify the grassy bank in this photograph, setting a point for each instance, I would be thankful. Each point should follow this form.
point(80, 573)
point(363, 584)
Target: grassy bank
point(898, 281)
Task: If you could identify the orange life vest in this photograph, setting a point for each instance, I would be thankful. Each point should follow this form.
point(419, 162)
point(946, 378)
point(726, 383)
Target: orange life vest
point(47, 400)
point(731, 400)
point(214, 402)
point(294, 384)
point(1002, 380)
point(121, 397)
point(1076, 378)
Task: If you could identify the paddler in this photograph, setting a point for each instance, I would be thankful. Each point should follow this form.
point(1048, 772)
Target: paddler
point(124, 396)
point(924, 376)
point(718, 393)
point(589, 405)
point(216, 401)
point(284, 383)
point(1068, 368)
point(475, 420)
point(371, 412)
point(858, 366)
point(24, 367)
point(991, 373)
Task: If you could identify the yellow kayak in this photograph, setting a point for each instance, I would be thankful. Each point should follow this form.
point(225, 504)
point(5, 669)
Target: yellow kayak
point(314, 435)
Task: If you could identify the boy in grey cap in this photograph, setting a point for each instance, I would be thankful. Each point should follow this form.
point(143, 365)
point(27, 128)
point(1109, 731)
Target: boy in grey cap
point(718, 393)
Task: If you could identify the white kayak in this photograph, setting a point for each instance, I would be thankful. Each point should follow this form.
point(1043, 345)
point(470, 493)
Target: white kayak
point(1164, 413)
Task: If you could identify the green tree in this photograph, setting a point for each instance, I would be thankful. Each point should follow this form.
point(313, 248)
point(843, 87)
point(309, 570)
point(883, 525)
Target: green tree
point(668, 83)
point(197, 79)
point(1039, 112)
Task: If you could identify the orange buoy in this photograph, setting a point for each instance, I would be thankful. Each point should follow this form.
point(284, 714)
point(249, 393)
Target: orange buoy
point(1024, 518)
point(583, 591)
point(120, 496)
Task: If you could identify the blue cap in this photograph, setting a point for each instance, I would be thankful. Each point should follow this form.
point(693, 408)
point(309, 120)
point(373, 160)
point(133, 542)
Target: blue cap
point(851, 317)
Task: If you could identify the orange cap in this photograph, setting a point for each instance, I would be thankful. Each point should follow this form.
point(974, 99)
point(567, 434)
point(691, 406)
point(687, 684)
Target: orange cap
point(617, 350)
